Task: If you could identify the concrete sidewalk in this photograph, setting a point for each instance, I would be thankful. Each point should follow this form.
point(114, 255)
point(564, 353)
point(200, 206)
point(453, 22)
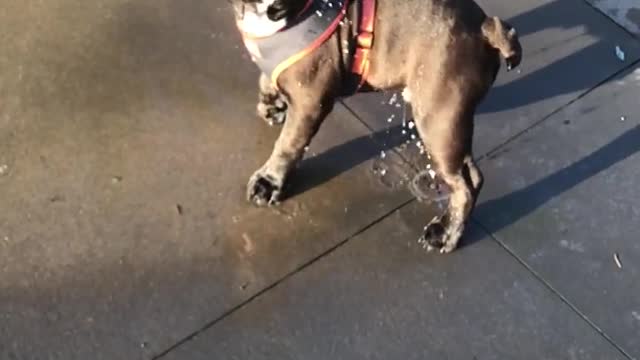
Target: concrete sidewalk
point(127, 133)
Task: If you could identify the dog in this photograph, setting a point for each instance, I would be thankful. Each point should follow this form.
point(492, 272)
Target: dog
point(443, 54)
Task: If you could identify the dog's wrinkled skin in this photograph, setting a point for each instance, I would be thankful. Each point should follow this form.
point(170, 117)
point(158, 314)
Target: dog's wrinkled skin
point(445, 54)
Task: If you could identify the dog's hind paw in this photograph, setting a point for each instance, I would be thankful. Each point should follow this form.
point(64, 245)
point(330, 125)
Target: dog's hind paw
point(437, 238)
point(263, 190)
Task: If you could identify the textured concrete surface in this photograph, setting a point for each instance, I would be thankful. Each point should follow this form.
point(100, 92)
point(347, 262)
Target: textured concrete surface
point(127, 133)
point(572, 207)
point(380, 297)
point(624, 12)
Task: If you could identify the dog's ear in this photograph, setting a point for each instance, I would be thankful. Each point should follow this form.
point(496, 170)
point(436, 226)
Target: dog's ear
point(278, 10)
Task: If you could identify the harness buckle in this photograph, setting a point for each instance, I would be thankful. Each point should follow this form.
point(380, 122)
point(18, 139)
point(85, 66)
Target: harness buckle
point(360, 61)
point(365, 40)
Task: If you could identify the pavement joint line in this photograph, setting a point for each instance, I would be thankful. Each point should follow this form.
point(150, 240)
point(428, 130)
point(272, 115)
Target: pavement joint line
point(557, 110)
point(601, 12)
point(277, 282)
point(554, 291)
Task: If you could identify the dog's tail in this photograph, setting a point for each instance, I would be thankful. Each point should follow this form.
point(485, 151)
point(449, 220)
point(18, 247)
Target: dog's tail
point(503, 37)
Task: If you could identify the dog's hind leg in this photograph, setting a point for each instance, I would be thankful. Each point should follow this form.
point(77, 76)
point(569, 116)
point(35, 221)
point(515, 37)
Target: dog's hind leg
point(305, 115)
point(272, 105)
point(446, 128)
point(474, 176)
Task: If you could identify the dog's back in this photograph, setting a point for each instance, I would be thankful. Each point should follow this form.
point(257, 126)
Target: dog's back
point(425, 32)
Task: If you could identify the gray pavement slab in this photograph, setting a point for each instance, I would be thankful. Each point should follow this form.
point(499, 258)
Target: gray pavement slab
point(128, 133)
point(381, 296)
point(564, 199)
point(569, 47)
point(624, 12)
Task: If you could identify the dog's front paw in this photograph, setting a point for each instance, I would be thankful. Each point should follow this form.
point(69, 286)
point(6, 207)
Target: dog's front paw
point(263, 189)
point(274, 111)
point(436, 237)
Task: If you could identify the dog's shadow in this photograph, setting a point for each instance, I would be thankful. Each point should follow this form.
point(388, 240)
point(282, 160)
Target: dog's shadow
point(497, 214)
point(568, 74)
point(321, 168)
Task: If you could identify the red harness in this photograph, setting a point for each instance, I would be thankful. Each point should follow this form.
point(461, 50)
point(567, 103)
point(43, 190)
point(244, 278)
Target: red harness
point(364, 42)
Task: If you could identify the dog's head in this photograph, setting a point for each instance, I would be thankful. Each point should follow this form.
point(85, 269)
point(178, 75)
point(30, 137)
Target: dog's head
point(274, 10)
point(261, 18)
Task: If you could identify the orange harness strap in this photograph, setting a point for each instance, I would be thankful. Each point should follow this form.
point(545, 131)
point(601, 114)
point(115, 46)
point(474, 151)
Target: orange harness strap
point(313, 46)
point(364, 41)
point(361, 57)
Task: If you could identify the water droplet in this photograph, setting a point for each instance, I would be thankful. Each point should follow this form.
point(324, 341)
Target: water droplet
point(393, 99)
point(620, 53)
